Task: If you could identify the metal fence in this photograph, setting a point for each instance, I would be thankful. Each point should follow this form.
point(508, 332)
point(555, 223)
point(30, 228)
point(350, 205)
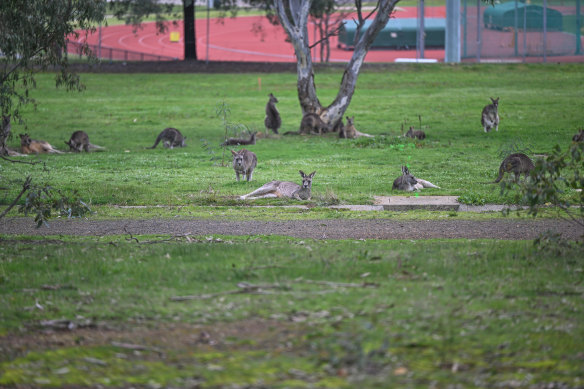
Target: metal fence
point(523, 31)
point(113, 54)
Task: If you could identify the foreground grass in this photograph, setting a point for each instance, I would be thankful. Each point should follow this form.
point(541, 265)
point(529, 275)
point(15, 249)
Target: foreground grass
point(540, 107)
point(327, 313)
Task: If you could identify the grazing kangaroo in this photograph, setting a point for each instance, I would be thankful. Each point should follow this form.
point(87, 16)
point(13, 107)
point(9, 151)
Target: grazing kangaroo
point(273, 121)
point(244, 161)
point(311, 124)
point(416, 134)
point(350, 132)
point(171, 138)
point(517, 163)
point(31, 146)
point(240, 142)
point(490, 115)
point(579, 137)
point(284, 189)
point(80, 141)
point(407, 182)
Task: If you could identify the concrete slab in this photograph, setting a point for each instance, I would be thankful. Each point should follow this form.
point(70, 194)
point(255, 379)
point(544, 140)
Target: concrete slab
point(406, 203)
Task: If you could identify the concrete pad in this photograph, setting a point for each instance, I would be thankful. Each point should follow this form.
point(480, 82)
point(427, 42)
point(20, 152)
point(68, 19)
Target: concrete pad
point(406, 203)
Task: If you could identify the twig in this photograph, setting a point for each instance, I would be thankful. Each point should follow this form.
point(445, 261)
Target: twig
point(334, 32)
point(17, 161)
point(136, 347)
point(25, 187)
point(244, 287)
point(338, 284)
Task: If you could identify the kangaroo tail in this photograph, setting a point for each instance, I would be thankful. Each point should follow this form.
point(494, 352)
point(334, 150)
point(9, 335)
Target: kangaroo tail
point(500, 176)
point(155, 143)
point(96, 147)
point(292, 133)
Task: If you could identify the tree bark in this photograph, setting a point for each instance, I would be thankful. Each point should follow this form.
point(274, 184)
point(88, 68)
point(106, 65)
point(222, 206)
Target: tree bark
point(294, 23)
point(189, 30)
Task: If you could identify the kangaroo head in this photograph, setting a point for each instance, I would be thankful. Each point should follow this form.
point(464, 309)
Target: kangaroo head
point(238, 157)
point(307, 179)
point(410, 179)
point(410, 131)
point(273, 98)
point(350, 121)
point(25, 139)
point(495, 101)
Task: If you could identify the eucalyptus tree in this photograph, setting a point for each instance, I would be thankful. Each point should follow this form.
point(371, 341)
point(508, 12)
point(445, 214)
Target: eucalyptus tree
point(33, 35)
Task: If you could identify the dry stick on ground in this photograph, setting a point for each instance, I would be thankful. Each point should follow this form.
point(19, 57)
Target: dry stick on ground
point(259, 289)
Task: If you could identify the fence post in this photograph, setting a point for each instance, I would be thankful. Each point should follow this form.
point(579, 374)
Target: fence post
point(452, 52)
point(420, 42)
point(478, 30)
point(544, 30)
point(578, 29)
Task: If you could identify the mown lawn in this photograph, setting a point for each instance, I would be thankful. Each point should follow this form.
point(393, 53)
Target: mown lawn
point(279, 312)
point(540, 107)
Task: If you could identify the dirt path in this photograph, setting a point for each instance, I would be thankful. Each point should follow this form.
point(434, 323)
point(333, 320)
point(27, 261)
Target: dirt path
point(316, 229)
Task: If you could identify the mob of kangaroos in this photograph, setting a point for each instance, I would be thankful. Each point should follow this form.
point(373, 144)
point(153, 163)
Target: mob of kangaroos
point(284, 189)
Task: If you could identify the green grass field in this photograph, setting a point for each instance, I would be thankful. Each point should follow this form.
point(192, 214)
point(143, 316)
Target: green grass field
point(540, 107)
point(273, 311)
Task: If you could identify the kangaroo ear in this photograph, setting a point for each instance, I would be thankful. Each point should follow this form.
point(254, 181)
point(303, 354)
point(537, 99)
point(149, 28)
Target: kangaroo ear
point(302, 173)
point(233, 152)
point(312, 174)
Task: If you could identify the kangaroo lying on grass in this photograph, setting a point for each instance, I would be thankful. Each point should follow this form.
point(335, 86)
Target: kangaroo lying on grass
point(284, 189)
point(31, 146)
point(350, 132)
point(240, 142)
point(416, 134)
point(244, 161)
point(80, 141)
point(407, 182)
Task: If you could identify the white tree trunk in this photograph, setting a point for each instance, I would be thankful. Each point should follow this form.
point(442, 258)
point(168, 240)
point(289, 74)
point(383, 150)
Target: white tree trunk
point(295, 24)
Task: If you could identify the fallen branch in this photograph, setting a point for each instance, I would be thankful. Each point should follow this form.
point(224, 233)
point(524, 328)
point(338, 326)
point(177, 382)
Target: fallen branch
point(25, 187)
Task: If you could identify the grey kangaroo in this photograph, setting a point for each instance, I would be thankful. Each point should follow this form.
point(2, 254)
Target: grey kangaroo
point(80, 142)
point(284, 189)
point(350, 132)
point(407, 182)
point(32, 146)
point(244, 161)
point(416, 134)
point(311, 124)
point(579, 137)
point(490, 116)
point(171, 138)
point(273, 121)
point(517, 163)
point(240, 142)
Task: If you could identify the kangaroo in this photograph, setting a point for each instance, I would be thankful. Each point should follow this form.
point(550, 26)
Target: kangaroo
point(273, 121)
point(240, 142)
point(517, 164)
point(350, 132)
point(311, 124)
point(244, 161)
point(171, 138)
point(31, 146)
point(579, 137)
point(284, 189)
point(407, 182)
point(80, 141)
point(416, 134)
point(490, 116)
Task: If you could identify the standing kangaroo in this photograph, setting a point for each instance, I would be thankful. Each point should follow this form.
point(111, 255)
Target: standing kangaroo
point(407, 182)
point(80, 141)
point(244, 161)
point(273, 121)
point(350, 132)
point(517, 163)
point(416, 134)
point(240, 142)
point(490, 116)
point(284, 189)
point(171, 138)
point(31, 146)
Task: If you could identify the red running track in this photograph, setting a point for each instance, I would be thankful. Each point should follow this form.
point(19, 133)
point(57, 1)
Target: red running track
point(234, 40)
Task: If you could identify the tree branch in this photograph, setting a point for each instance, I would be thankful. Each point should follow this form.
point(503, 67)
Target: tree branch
point(334, 32)
point(25, 187)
